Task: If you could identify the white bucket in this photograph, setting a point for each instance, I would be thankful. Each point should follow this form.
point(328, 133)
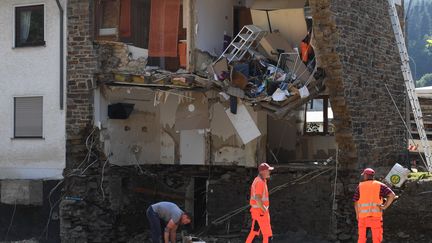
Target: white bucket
point(397, 175)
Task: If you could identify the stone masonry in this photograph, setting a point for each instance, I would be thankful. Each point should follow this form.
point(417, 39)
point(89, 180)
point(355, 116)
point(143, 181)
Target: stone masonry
point(355, 44)
point(81, 65)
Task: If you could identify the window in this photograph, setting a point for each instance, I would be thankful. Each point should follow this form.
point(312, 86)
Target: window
point(29, 26)
point(107, 17)
point(318, 117)
point(125, 20)
point(28, 117)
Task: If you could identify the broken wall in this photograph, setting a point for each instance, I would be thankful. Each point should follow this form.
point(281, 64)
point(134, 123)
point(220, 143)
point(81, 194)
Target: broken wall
point(213, 20)
point(288, 143)
point(365, 129)
point(180, 128)
point(360, 58)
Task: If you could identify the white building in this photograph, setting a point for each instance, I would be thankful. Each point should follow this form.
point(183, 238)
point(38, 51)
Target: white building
point(32, 121)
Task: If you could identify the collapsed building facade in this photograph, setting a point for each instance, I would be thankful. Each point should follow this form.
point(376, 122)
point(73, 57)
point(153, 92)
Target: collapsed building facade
point(199, 160)
point(149, 117)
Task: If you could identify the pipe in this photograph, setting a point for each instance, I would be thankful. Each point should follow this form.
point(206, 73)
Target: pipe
point(61, 11)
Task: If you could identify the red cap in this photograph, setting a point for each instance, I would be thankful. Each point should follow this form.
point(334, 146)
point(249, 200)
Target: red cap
point(265, 166)
point(368, 171)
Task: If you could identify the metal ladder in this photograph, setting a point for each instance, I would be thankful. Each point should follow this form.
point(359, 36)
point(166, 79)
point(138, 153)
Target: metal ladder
point(242, 42)
point(409, 81)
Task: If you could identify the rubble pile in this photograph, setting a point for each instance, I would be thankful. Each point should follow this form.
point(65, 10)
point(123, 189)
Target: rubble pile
point(269, 75)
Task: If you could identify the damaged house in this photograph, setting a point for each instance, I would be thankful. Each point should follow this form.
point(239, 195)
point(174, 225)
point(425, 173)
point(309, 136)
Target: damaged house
point(179, 100)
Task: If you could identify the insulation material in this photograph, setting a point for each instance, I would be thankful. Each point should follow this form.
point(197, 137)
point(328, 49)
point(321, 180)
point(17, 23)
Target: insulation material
point(193, 115)
point(244, 124)
point(289, 22)
point(192, 147)
point(164, 22)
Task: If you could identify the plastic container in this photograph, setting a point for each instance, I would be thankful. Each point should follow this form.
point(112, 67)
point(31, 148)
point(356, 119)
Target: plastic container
point(397, 175)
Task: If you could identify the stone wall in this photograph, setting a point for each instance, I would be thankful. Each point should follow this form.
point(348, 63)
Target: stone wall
point(360, 57)
point(118, 213)
point(355, 44)
point(408, 219)
point(81, 65)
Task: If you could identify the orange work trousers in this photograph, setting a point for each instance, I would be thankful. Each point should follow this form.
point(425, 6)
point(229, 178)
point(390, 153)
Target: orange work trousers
point(260, 224)
point(375, 224)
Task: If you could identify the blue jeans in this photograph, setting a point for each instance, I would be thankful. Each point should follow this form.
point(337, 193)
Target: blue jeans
point(155, 225)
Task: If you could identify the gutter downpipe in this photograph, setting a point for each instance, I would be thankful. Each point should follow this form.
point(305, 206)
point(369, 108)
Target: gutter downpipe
point(61, 11)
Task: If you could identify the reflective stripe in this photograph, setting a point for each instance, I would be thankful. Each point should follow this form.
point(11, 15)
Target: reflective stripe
point(255, 206)
point(370, 211)
point(263, 199)
point(368, 205)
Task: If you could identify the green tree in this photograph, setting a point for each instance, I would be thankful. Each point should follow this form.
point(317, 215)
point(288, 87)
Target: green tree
point(426, 80)
point(419, 31)
point(429, 43)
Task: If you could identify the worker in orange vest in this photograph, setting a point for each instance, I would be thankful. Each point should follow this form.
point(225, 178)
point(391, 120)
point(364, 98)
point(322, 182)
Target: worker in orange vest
point(369, 206)
point(259, 202)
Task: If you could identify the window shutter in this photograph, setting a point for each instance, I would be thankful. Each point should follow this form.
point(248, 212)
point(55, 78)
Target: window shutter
point(28, 116)
point(125, 19)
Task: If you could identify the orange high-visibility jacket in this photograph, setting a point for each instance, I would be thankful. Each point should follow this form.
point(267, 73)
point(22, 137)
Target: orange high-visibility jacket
point(370, 199)
point(259, 187)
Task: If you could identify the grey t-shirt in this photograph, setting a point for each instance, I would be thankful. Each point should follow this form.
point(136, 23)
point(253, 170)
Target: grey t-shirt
point(168, 211)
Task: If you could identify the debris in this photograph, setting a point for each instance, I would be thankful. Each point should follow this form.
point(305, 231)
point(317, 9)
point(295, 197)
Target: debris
point(236, 92)
point(233, 104)
point(403, 235)
point(244, 124)
point(219, 69)
point(192, 239)
point(253, 77)
point(244, 41)
point(280, 95)
point(304, 92)
point(238, 79)
point(274, 45)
